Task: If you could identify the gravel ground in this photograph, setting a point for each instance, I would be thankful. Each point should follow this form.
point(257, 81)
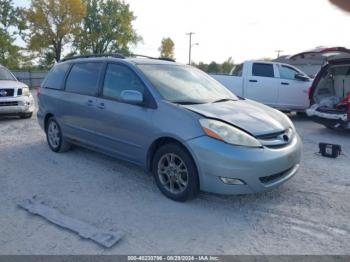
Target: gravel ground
point(307, 215)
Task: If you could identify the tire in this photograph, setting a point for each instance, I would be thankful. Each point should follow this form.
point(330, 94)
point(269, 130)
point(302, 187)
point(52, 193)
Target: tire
point(54, 137)
point(26, 115)
point(175, 173)
point(302, 114)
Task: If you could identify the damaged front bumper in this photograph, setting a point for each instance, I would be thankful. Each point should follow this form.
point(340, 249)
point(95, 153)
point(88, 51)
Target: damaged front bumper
point(17, 105)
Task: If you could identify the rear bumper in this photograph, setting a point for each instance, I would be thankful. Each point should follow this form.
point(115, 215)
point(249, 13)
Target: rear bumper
point(16, 105)
point(333, 123)
point(260, 169)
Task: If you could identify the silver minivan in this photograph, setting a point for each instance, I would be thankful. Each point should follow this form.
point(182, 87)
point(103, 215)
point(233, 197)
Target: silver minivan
point(171, 119)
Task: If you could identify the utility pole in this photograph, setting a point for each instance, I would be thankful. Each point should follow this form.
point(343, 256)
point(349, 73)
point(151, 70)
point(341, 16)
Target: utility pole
point(278, 53)
point(190, 47)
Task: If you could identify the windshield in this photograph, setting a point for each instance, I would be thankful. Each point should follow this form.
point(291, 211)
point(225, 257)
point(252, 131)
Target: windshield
point(186, 85)
point(6, 75)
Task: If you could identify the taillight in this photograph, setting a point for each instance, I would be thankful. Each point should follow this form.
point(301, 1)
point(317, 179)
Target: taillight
point(38, 92)
point(309, 91)
point(348, 98)
point(348, 104)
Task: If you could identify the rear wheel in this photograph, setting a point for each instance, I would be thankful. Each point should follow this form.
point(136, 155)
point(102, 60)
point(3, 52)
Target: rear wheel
point(55, 139)
point(175, 173)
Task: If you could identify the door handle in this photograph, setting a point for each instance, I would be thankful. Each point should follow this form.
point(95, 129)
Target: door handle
point(285, 83)
point(101, 106)
point(90, 103)
point(253, 81)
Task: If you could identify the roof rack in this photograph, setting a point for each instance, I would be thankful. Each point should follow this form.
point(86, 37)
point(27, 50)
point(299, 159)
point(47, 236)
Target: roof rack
point(115, 55)
point(156, 58)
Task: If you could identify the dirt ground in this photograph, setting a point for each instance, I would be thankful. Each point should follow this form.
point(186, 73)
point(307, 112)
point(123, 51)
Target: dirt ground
point(309, 214)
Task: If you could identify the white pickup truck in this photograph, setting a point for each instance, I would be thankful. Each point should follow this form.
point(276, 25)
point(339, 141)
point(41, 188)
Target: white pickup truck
point(278, 85)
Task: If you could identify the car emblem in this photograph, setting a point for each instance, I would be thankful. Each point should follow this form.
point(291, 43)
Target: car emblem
point(3, 93)
point(285, 138)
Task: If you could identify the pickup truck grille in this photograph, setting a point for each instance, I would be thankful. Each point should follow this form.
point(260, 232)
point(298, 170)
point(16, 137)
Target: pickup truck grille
point(13, 103)
point(7, 92)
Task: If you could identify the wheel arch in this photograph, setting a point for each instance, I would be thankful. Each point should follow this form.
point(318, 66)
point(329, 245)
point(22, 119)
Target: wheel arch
point(163, 141)
point(47, 117)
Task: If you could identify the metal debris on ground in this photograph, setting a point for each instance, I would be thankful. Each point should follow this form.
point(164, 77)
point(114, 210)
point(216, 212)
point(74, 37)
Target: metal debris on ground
point(102, 237)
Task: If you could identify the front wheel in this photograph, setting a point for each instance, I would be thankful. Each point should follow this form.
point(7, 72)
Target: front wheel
point(175, 173)
point(55, 139)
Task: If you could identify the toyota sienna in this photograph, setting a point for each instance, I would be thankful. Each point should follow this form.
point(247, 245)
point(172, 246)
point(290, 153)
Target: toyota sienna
point(171, 119)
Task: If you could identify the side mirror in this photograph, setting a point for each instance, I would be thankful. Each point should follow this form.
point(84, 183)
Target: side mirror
point(132, 96)
point(301, 77)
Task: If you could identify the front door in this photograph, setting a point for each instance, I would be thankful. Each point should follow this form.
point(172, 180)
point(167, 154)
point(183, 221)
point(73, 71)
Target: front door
point(125, 129)
point(293, 93)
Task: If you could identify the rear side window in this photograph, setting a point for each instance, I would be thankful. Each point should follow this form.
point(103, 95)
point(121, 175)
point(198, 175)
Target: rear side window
point(264, 70)
point(119, 78)
point(55, 78)
point(83, 78)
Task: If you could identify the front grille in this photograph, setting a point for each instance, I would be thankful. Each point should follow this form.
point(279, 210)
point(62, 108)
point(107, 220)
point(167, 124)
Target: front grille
point(7, 92)
point(275, 177)
point(19, 92)
point(270, 136)
point(277, 140)
point(13, 103)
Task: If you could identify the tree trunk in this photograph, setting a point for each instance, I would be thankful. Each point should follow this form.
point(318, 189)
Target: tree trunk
point(58, 51)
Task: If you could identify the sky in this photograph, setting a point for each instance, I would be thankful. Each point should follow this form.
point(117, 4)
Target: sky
point(243, 30)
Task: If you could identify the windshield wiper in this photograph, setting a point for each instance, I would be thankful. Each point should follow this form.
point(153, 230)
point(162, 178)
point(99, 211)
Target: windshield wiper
point(187, 102)
point(223, 100)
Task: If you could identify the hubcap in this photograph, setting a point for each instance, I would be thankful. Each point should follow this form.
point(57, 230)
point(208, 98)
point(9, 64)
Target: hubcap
point(53, 133)
point(172, 173)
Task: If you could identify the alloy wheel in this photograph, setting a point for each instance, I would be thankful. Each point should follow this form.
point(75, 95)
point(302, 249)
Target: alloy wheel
point(173, 173)
point(54, 135)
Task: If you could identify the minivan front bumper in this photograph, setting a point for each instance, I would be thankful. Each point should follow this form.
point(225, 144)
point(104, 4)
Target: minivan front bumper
point(16, 105)
point(259, 169)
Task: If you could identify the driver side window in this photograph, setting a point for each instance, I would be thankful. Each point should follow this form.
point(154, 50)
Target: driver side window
point(287, 72)
point(119, 78)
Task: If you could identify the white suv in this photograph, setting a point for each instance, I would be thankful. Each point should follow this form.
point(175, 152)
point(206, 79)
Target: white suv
point(15, 97)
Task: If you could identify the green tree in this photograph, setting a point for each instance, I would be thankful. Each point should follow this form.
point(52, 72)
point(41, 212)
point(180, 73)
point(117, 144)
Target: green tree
point(227, 66)
point(9, 22)
point(213, 67)
point(52, 24)
point(167, 48)
point(106, 28)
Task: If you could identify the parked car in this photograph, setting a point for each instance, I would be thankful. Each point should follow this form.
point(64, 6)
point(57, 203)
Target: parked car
point(15, 97)
point(330, 94)
point(281, 86)
point(173, 120)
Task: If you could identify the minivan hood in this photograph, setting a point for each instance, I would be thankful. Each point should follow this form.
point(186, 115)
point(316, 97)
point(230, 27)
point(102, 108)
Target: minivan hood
point(255, 118)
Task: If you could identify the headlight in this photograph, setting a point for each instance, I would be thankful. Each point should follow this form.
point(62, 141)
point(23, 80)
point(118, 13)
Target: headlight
point(25, 91)
point(291, 124)
point(227, 133)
